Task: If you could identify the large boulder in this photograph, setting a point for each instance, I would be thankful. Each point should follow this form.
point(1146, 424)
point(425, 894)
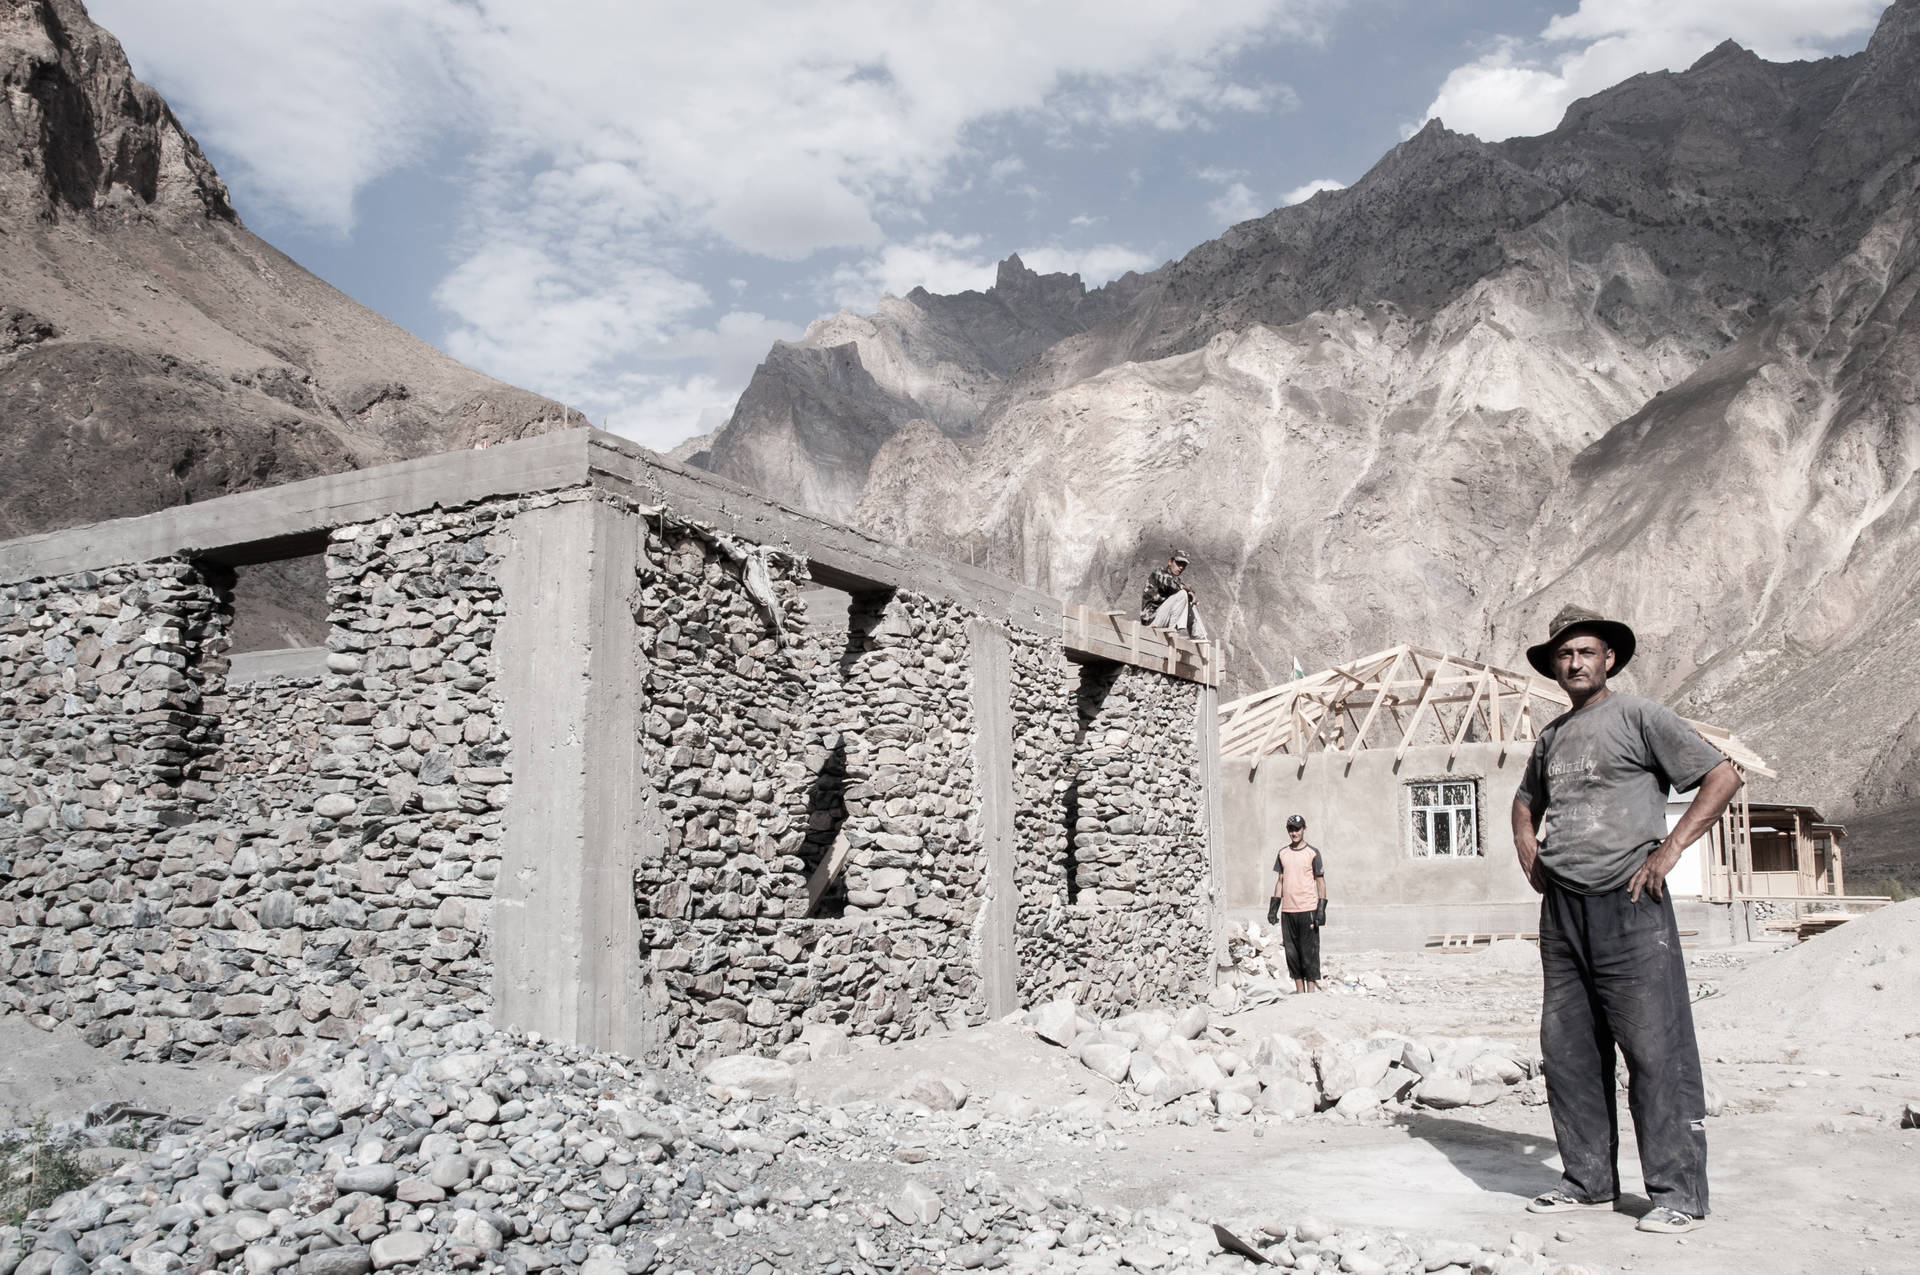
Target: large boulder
point(751, 1074)
point(1057, 1021)
point(936, 1093)
point(1287, 1055)
point(1111, 1060)
point(1151, 1026)
point(1289, 1099)
point(1443, 1090)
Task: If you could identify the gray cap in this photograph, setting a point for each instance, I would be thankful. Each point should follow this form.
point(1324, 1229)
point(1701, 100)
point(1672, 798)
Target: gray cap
point(1296, 822)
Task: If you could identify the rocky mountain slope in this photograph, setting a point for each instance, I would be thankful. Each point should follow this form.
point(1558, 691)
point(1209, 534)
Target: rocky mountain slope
point(153, 350)
point(1662, 360)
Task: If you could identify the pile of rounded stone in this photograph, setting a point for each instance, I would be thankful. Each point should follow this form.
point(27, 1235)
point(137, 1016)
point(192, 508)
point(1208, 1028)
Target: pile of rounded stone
point(1160, 1060)
point(437, 1142)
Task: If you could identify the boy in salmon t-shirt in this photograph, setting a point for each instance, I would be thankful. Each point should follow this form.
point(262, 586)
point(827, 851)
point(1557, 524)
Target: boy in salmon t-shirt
point(1299, 904)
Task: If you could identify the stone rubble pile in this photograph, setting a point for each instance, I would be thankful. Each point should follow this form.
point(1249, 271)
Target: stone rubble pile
point(435, 1141)
point(1159, 1060)
point(1259, 968)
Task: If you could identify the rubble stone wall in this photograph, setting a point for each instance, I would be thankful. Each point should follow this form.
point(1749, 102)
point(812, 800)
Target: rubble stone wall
point(287, 853)
point(786, 750)
point(1137, 931)
point(1045, 725)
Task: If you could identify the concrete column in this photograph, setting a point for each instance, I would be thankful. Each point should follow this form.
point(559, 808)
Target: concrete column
point(1206, 728)
point(566, 953)
point(992, 658)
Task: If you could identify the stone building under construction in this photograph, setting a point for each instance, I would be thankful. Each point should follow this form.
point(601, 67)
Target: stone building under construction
point(575, 745)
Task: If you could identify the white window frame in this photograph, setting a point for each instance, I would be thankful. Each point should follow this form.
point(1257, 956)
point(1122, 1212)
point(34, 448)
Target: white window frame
point(1457, 801)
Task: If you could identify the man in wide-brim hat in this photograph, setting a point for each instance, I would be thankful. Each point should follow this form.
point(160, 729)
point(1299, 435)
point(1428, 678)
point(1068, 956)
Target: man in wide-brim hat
point(1589, 824)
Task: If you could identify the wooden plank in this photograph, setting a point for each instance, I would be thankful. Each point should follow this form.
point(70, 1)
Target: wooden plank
point(1354, 747)
point(838, 855)
point(1406, 732)
point(1466, 718)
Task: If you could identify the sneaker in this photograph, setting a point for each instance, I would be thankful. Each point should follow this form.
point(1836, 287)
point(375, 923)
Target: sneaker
point(1559, 1201)
point(1664, 1221)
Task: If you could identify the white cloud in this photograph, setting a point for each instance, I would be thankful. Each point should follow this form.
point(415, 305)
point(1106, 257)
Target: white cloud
point(1523, 86)
point(1301, 194)
point(619, 161)
point(1235, 204)
point(1095, 265)
point(311, 103)
point(663, 411)
point(1219, 176)
point(944, 263)
point(939, 262)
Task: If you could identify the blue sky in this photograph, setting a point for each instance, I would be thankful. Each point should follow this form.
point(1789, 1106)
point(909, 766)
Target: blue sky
point(622, 205)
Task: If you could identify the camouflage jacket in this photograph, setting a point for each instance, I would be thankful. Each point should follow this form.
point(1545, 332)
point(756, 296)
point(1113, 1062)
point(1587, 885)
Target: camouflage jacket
point(1161, 585)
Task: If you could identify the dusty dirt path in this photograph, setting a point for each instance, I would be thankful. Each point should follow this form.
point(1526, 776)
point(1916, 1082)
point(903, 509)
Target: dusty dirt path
point(1810, 1169)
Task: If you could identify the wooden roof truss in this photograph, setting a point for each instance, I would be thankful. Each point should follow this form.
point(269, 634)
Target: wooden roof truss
point(1405, 697)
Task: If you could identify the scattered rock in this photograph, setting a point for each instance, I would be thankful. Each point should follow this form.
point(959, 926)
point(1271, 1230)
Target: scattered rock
point(915, 1205)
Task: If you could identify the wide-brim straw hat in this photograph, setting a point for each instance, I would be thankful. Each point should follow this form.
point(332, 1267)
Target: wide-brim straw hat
point(1612, 632)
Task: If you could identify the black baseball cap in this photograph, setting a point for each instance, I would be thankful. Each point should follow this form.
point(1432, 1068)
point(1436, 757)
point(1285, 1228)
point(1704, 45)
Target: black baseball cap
point(1296, 821)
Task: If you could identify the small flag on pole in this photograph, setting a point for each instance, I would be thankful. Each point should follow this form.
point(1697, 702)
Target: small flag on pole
point(1297, 670)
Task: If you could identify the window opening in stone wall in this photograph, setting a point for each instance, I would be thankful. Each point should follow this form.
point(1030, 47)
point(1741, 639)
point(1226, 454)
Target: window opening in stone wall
point(280, 605)
point(1095, 681)
point(1445, 819)
point(840, 627)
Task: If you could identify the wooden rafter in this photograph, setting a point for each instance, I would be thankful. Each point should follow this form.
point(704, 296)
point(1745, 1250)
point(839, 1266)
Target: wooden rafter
point(1313, 714)
point(1420, 706)
point(1379, 697)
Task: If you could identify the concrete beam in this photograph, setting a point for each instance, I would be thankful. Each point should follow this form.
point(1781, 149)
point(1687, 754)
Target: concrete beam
point(992, 660)
point(842, 557)
point(270, 666)
point(291, 519)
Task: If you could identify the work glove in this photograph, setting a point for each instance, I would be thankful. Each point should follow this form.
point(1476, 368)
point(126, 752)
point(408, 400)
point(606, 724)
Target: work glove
point(1273, 911)
point(1320, 915)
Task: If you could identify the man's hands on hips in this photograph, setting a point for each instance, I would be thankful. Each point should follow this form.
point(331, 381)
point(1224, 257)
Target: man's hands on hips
point(1652, 876)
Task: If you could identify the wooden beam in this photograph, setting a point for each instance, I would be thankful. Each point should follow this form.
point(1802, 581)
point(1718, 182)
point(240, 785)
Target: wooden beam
point(1266, 740)
point(1406, 732)
point(1466, 718)
point(1378, 698)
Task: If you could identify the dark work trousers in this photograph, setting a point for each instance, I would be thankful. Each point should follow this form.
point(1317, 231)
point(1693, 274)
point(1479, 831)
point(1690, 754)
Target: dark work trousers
point(1614, 976)
point(1302, 938)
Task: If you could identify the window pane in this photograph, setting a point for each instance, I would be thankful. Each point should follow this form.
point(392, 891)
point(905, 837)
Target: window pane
point(1420, 846)
point(1425, 795)
point(1442, 836)
point(1463, 838)
point(1459, 795)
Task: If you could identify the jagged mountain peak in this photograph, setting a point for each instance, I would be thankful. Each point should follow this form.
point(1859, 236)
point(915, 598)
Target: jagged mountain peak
point(78, 130)
point(1724, 53)
point(152, 349)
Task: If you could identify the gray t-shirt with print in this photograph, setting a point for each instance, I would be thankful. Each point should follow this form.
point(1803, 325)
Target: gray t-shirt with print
point(1602, 772)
